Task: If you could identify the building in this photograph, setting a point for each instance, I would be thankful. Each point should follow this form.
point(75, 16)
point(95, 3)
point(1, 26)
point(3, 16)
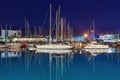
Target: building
point(9, 33)
point(78, 39)
point(110, 36)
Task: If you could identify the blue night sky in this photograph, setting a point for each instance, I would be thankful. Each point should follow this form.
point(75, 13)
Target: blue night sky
point(80, 13)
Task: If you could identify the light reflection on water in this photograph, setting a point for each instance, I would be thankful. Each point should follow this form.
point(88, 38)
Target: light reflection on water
point(70, 65)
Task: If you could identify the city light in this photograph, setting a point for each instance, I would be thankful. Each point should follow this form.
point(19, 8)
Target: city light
point(85, 35)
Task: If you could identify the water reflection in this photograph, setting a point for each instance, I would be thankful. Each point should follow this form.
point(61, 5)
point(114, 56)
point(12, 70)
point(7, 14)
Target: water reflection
point(54, 51)
point(91, 53)
point(10, 54)
point(95, 52)
point(58, 61)
point(59, 65)
point(94, 56)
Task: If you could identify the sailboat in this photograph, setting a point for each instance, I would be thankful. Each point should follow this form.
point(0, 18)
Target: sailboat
point(52, 46)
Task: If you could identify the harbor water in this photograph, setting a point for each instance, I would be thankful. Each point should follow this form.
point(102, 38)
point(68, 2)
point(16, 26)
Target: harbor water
point(71, 65)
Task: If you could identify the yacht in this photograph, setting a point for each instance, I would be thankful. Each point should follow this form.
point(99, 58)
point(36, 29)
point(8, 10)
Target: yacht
point(54, 46)
point(95, 45)
point(51, 46)
point(13, 45)
point(3, 45)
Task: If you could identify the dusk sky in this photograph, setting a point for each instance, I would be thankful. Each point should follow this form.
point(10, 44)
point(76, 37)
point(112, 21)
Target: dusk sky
point(80, 13)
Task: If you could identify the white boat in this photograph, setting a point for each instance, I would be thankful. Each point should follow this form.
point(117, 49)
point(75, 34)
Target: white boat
point(96, 45)
point(3, 45)
point(51, 46)
point(13, 45)
point(13, 49)
point(54, 46)
point(30, 45)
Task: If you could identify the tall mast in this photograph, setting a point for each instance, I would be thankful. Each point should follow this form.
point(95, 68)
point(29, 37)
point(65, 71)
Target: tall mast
point(68, 31)
point(62, 29)
point(10, 31)
point(50, 24)
point(59, 22)
point(6, 35)
point(57, 25)
point(71, 33)
point(25, 27)
point(93, 29)
point(118, 33)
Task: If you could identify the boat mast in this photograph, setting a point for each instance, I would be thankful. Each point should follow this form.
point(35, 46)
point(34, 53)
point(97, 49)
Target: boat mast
point(50, 38)
point(93, 30)
point(68, 31)
point(28, 29)
point(57, 26)
point(62, 29)
point(6, 35)
point(59, 22)
point(25, 27)
point(118, 33)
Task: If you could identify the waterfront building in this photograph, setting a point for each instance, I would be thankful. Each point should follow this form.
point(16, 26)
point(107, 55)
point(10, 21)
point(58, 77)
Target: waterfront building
point(10, 33)
point(110, 36)
point(78, 39)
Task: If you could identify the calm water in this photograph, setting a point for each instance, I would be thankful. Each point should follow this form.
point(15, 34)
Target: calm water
point(28, 65)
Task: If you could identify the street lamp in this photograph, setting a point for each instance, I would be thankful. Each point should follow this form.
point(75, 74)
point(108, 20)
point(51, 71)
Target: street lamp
point(85, 35)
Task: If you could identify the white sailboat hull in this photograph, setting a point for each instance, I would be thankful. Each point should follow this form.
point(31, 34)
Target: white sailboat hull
point(54, 47)
point(3, 46)
point(14, 45)
point(96, 47)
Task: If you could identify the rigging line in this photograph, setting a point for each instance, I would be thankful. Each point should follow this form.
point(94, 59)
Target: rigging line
point(45, 17)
